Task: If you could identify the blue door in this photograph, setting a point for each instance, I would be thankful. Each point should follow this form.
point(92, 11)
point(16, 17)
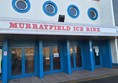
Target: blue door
point(51, 59)
point(75, 56)
point(22, 62)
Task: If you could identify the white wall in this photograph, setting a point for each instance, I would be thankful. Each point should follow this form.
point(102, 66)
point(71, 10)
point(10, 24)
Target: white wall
point(107, 19)
point(36, 12)
point(106, 10)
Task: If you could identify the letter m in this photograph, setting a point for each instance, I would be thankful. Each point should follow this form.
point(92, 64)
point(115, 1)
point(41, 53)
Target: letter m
point(13, 25)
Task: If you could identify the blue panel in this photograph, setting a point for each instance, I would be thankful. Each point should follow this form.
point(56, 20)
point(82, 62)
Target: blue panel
point(36, 58)
point(61, 56)
point(65, 56)
point(106, 54)
point(9, 62)
point(40, 62)
point(69, 71)
point(110, 54)
point(4, 63)
point(91, 56)
point(88, 56)
point(23, 60)
point(51, 60)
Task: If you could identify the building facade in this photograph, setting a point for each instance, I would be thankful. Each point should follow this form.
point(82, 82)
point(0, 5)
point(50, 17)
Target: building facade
point(49, 36)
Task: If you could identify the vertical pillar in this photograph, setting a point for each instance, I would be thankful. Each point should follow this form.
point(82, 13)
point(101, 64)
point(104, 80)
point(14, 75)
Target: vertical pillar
point(92, 66)
point(88, 55)
point(69, 71)
point(110, 55)
point(4, 62)
point(40, 61)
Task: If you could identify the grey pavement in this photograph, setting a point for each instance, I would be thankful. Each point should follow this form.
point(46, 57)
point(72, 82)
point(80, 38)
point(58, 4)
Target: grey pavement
point(81, 75)
point(113, 79)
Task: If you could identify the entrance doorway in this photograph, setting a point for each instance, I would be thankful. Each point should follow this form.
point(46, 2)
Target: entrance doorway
point(76, 59)
point(51, 59)
point(96, 52)
point(22, 61)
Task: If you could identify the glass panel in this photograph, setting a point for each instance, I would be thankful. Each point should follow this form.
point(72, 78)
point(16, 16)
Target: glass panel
point(92, 13)
point(50, 8)
point(0, 62)
point(56, 58)
point(73, 11)
point(96, 55)
point(78, 56)
point(46, 58)
point(29, 60)
point(21, 5)
point(71, 57)
point(16, 61)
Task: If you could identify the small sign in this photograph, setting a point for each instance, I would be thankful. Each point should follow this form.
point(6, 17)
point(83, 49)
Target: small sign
point(56, 55)
point(90, 49)
point(96, 50)
point(5, 53)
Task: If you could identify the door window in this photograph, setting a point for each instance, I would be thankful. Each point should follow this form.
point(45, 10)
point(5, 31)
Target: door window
point(16, 61)
point(22, 61)
point(78, 56)
point(56, 58)
point(72, 57)
point(75, 55)
point(51, 59)
point(46, 58)
point(96, 55)
point(29, 60)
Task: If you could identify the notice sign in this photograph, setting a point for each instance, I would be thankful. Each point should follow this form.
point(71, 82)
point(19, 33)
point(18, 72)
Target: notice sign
point(5, 53)
point(56, 55)
point(96, 50)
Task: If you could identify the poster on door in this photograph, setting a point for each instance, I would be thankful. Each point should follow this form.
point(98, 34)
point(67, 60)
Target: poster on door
point(96, 50)
point(56, 55)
